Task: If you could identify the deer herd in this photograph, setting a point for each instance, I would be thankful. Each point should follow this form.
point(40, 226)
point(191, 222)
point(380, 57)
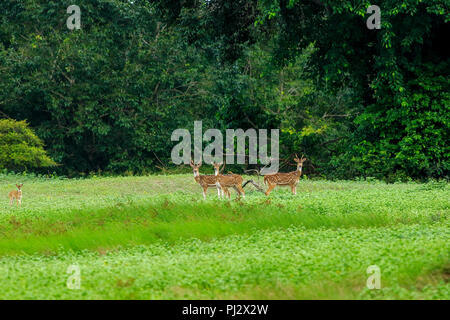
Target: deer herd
point(222, 182)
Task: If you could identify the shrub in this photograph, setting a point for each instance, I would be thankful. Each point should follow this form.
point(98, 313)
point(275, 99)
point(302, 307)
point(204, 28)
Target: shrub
point(20, 148)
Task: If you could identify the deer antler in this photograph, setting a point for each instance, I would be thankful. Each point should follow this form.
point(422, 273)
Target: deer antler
point(223, 167)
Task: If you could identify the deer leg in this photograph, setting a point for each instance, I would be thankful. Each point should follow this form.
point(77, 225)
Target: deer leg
point(226, 192)
point(204, 192)
point(11, 201)
point(270, 188)
point(293, 188)
point(241, 190)
point(219, 190)
point(237, 190)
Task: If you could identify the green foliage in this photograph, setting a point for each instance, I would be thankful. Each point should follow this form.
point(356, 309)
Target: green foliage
point(413, 138)
point(20, 148)
point(358, 102)
point(105, 97)
point(399, 73)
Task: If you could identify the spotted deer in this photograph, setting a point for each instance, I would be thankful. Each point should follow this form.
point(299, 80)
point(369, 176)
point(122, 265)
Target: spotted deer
point(205, 181)
point(285, 178)
point(16, 194)
point(229, 181)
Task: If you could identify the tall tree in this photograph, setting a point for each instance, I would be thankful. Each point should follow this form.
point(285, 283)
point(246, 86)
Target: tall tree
point(399, 72)
point(104, 97)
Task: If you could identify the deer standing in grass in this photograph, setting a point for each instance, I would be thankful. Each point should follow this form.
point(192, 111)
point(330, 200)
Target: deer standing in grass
point(229, 181)
point(285, 179)
point(16, 194)
point(205, 181)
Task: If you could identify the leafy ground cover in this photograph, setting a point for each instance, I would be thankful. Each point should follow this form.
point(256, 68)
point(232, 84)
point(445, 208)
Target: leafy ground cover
point(153, 237)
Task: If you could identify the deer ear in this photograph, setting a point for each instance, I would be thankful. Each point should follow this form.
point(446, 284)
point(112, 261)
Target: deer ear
point(21, 184)
point(17, 185)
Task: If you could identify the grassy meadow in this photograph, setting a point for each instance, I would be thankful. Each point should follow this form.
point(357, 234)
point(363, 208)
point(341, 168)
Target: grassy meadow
point(154, 237)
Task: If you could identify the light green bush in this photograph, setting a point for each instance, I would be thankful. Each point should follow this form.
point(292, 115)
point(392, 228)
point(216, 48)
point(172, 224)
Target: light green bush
point(20, 148)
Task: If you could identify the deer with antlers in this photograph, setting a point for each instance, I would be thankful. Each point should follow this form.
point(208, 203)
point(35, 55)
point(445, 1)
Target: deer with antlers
point(205, 181)
point(285, 178)
point(228, 181)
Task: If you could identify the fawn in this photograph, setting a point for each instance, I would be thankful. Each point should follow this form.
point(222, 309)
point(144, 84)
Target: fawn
point(285, 179)
point(205, 181)
point(229, 181)
point(16, 194)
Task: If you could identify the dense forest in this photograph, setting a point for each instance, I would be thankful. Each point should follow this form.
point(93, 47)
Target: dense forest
point(358, 102)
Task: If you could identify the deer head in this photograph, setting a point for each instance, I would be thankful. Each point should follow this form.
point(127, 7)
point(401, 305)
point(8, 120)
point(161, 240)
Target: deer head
point(19, 186)
point(195, 168)
point(216, 168)
point(299, 161)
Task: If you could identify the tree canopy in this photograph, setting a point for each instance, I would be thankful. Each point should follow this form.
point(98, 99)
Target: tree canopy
point(358, 102)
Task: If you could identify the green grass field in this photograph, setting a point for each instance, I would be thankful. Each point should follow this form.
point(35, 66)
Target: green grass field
point(155, 237)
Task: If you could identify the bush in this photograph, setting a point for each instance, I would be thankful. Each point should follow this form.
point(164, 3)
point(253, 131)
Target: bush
point(20, 148)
